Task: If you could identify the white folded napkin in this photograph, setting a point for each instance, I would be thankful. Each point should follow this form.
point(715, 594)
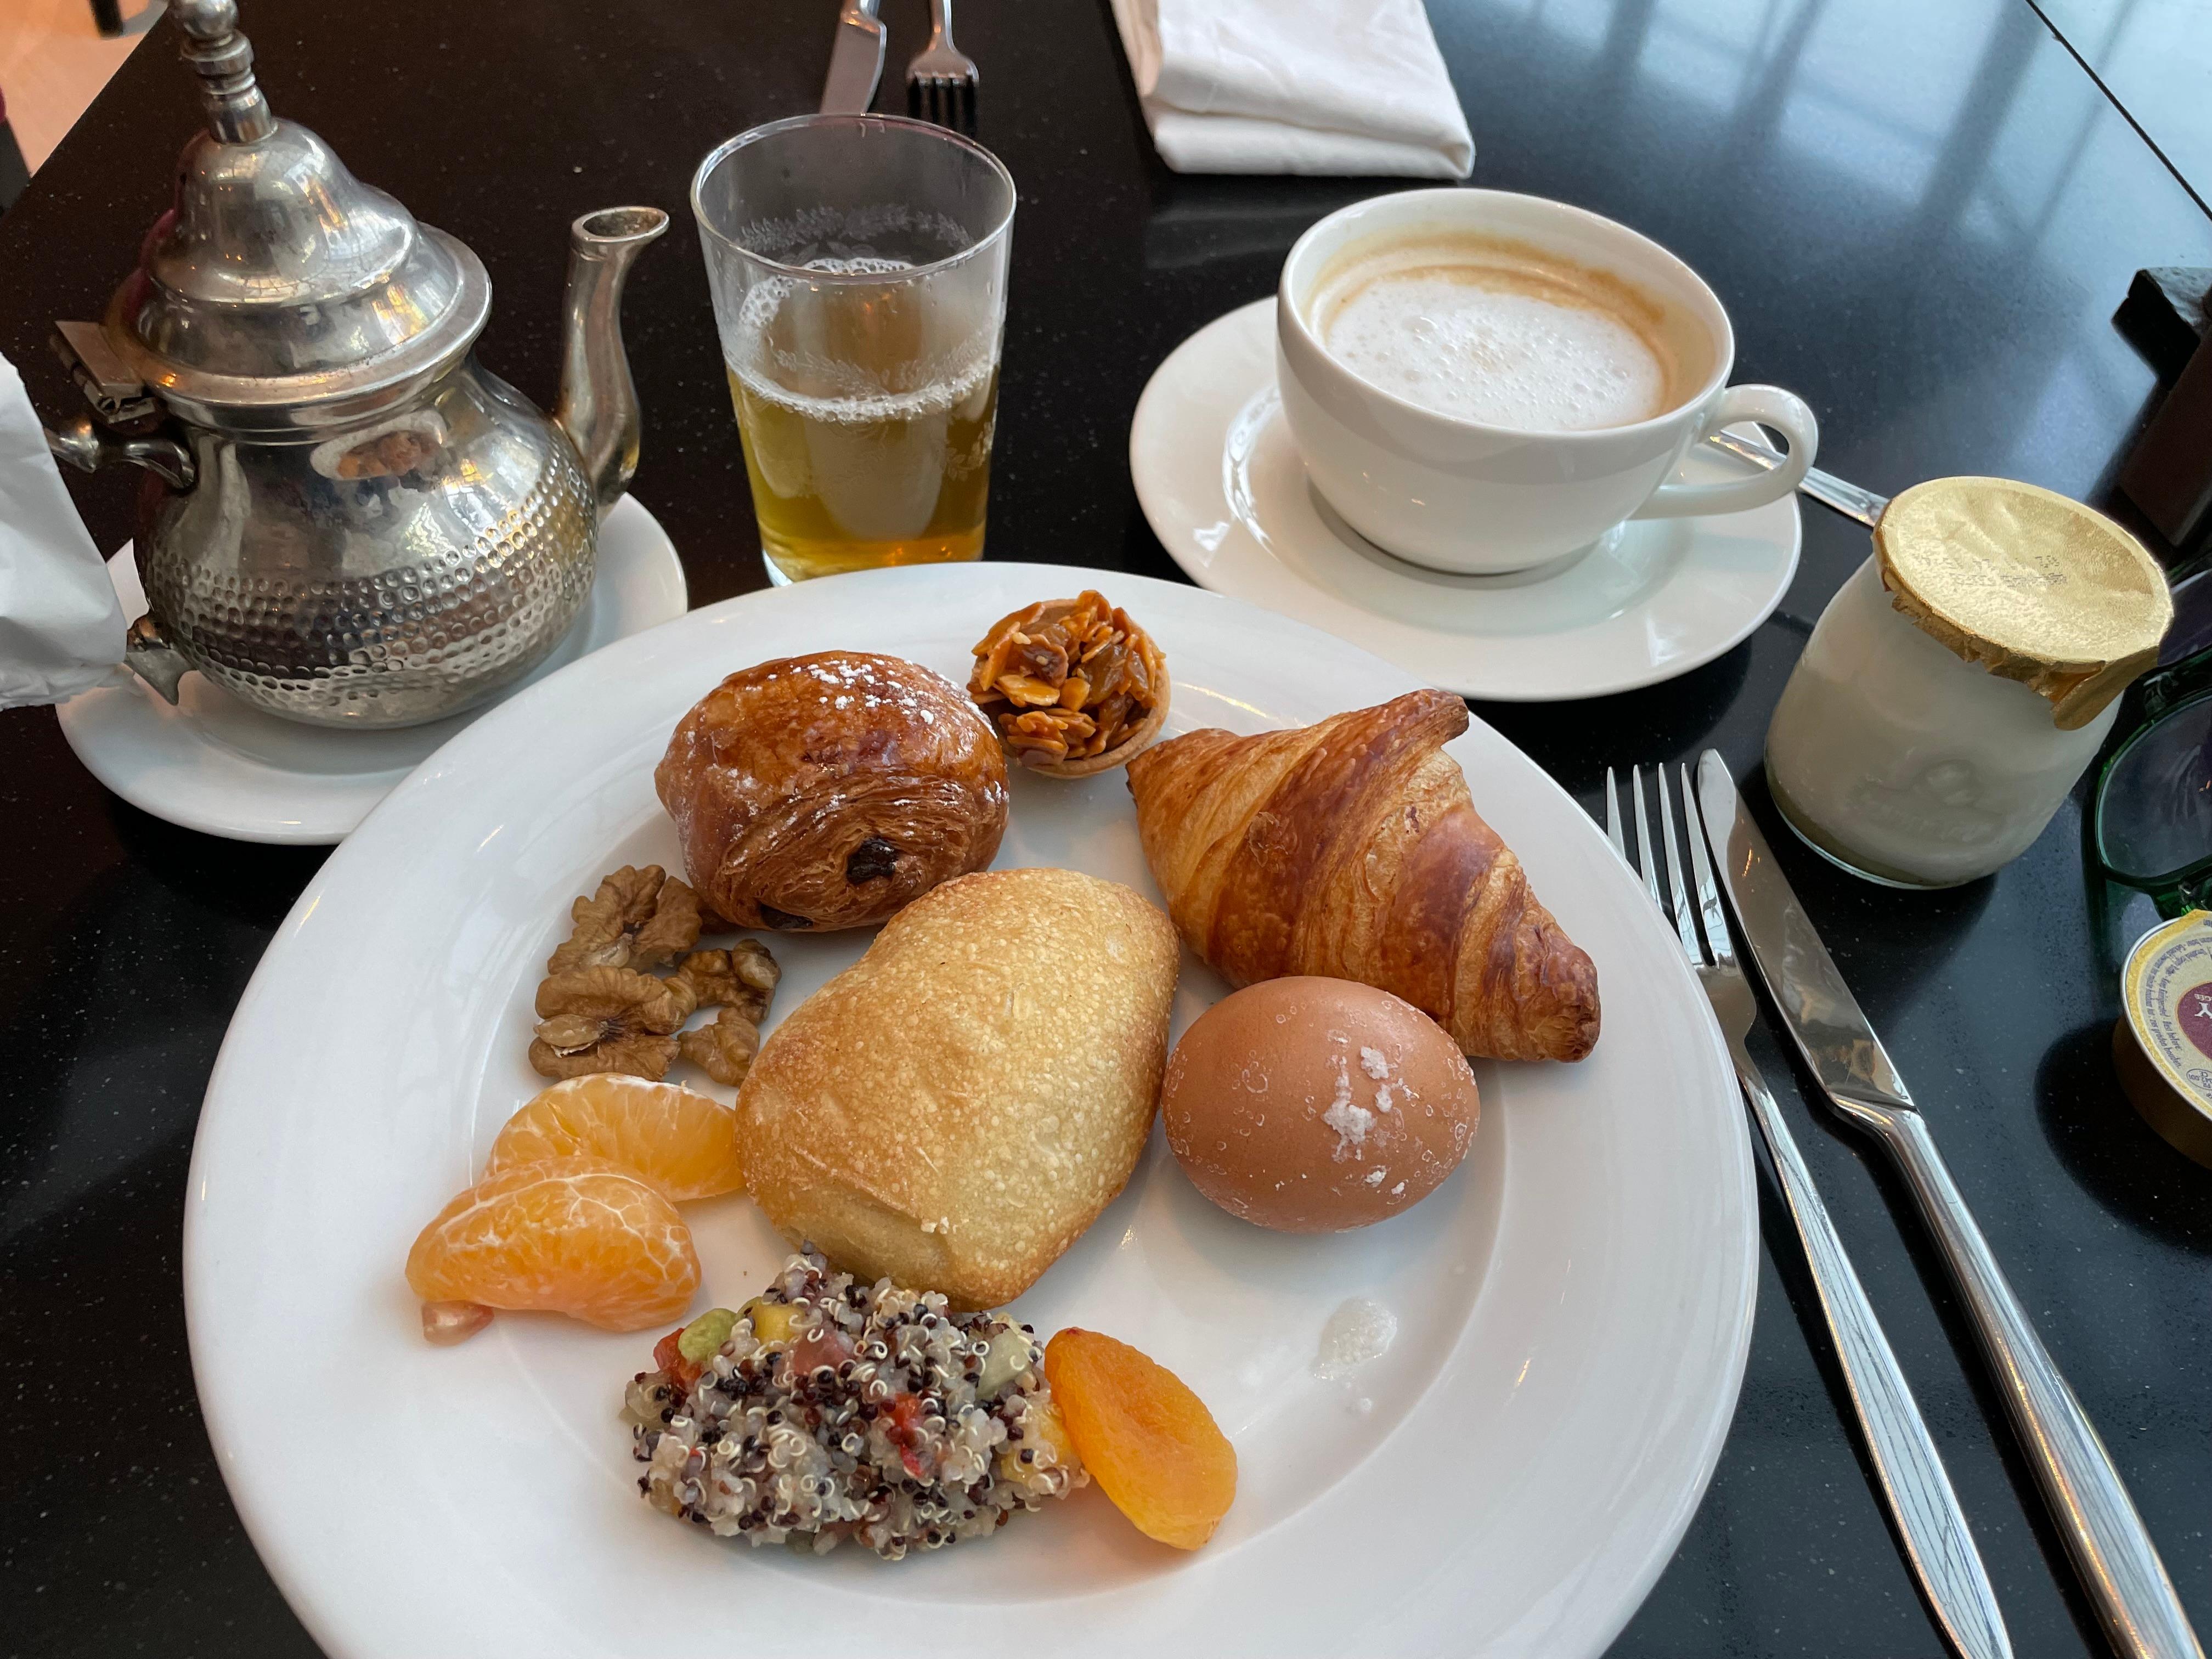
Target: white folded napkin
point(61, 629)
point(1351, 87)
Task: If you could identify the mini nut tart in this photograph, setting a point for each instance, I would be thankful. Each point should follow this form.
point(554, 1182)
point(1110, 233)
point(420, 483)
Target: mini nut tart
point(1073, 686)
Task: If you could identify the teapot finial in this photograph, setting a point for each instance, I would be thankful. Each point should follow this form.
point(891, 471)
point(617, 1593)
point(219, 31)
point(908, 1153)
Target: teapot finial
point(237, 113)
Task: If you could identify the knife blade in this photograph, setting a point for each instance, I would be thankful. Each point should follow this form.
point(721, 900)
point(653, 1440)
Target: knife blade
point(856, 59)
point(1832, 1032)
point(2110, 1549)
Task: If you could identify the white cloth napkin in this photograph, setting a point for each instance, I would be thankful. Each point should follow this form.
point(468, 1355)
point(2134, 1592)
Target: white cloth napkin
point(1351, 87)
point(61, 628)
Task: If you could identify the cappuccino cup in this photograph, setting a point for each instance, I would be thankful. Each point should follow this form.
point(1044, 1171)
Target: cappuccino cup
point(1482, 382)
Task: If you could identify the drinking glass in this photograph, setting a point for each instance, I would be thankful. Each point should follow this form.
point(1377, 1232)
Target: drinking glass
point(859, 269)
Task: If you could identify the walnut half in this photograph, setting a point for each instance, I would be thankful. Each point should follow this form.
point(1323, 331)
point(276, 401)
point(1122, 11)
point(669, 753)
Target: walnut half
point(597, 1012)
point(637, 919)
point(742, 981)
point(605, 1019)
point(743, 977)
point(724, 1049)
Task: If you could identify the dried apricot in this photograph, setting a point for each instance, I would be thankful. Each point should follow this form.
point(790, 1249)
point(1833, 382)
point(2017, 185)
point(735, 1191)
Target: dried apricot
point(683, 1143)
point(1147, 1439)
point(578, 1236)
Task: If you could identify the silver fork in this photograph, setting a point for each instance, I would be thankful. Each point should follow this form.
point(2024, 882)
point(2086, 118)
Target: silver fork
point(1937, 1545)
point(940, 82)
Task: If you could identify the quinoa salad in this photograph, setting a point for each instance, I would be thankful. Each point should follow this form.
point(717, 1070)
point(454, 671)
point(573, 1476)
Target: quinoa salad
point(827, 1409)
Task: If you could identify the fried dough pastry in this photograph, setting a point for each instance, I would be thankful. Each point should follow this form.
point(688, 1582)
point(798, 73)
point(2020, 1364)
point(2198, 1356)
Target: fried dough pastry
point(825, 792)
point(952, 1111)
point(1351, 849)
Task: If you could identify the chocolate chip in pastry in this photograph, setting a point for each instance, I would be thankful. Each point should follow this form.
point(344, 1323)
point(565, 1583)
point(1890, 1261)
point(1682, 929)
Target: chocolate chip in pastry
point(825, 792)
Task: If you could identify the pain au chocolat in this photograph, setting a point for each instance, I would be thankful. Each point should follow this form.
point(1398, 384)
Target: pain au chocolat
point(825, 792)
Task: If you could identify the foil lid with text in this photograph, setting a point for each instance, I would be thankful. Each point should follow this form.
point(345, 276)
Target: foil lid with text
point(2027, 584)
point(2162, 1044)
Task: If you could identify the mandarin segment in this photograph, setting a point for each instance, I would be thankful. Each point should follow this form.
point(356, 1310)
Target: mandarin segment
point(1147, 1440)
point(578, 1236)
point(445, 1324)
point(680, 1141)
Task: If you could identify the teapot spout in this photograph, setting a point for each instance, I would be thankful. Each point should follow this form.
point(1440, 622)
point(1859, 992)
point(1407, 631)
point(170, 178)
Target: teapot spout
point(598, 400)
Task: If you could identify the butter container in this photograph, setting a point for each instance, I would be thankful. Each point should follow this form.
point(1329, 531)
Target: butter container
point(2162, 1041)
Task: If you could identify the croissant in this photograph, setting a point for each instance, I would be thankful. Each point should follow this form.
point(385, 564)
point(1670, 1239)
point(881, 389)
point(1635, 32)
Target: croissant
point(1351, 849)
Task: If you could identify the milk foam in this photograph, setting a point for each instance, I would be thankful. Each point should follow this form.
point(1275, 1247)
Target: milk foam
point(1496, 347)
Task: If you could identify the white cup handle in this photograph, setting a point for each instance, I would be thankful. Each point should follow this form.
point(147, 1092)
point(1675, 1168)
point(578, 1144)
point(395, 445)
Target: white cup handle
point(1770, 406)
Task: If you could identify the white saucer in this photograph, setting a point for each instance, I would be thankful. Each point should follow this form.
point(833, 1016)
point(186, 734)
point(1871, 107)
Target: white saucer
point(1221, 483)
point(211, 762)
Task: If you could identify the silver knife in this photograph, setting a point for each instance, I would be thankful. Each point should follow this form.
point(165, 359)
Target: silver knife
point(2113, 1554)
point(856, 60)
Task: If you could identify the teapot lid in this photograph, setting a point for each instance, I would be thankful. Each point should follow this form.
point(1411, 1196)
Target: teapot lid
point(279, 280)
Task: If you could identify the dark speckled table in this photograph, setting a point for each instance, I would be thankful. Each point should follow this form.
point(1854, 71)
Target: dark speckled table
point(1921, 216)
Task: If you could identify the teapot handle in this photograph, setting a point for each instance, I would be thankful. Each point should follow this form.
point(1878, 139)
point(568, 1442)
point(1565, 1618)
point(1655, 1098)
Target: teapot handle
point(153, 659)
point(84, 446)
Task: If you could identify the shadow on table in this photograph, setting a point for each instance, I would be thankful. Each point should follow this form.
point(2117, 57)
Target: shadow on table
point(112, 1048)
point(1201, 220)
point(2105, 1144)
point(1575, 742)
point(244, 881)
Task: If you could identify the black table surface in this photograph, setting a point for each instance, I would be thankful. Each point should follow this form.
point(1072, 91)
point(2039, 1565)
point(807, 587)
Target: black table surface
point(1921, 217)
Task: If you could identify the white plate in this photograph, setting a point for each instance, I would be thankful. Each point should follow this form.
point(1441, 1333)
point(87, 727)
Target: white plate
point(212, 763)
point(1510, 1477)
point(1221, 483)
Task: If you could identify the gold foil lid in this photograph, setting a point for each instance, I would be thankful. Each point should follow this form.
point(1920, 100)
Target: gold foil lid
point(2027, 584)
point(2162, 1045)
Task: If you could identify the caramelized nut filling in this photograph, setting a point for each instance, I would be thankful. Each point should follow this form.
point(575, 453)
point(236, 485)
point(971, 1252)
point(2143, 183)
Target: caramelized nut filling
point(1065, 679)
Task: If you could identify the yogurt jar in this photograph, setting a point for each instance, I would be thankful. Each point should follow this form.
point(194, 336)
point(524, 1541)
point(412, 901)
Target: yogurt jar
point(1962, 680)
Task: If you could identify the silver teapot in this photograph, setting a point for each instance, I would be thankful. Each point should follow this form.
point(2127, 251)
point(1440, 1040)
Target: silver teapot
point(348, 521)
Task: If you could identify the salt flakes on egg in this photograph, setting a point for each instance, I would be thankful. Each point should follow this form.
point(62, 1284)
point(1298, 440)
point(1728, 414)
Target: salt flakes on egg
point(1351, 1122)
point(1369, 1105)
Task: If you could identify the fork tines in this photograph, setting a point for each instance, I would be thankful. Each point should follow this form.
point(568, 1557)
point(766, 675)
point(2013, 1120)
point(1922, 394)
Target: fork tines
point(945, 100)
point(1715, 947)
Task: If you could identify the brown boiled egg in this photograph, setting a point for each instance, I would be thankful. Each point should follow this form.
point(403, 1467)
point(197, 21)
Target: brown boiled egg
point(1313, 1105)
